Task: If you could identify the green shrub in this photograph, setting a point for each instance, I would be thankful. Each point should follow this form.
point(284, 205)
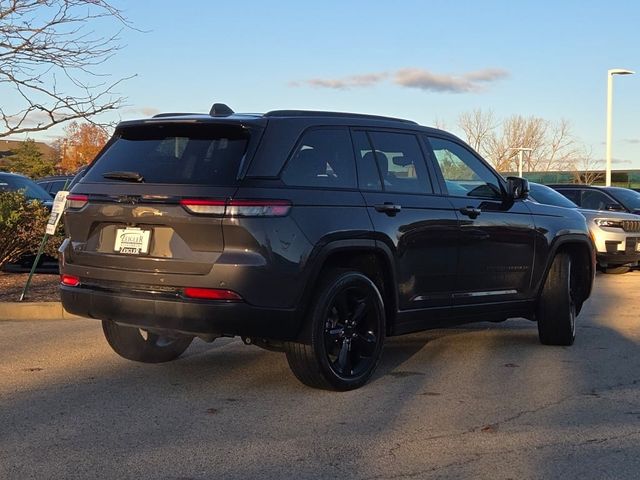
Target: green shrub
point(22, 225)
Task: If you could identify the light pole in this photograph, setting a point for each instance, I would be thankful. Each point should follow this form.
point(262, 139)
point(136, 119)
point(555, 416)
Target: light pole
point(520, 150)
point(610, 74)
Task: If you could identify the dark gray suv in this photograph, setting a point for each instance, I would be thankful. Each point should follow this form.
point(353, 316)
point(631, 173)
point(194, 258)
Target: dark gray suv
point(313, 233)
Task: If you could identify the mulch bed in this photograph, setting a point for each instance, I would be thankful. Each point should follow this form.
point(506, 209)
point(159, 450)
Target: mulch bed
point(43, 288)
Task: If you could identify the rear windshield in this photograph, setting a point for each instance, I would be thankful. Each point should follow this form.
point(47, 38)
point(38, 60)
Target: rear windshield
point(183, 154)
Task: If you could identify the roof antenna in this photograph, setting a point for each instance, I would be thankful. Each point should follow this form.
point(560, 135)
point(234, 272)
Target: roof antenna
point(220, 110)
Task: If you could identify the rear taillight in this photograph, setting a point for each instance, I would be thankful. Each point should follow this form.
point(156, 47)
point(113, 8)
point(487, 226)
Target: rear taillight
point(211, 294)
point(237, 208)
point(75, 202)
point(69, 280)
point(258, 208)
point(203, 206)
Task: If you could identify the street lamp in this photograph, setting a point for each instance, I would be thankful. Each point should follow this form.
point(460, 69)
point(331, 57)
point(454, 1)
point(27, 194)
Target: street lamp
point(610, 74)
point(520, 150)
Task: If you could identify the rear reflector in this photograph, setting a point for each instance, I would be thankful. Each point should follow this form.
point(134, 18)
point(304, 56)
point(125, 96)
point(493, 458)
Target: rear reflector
point(76, 201)
point(69, 280)
point(237, 208)
point(211, 294)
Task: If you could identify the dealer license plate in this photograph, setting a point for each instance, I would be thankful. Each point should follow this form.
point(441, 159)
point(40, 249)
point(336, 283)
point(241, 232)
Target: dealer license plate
point(132, 241)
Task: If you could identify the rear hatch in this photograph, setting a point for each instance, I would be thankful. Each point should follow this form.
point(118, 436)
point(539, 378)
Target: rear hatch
point(137, 207)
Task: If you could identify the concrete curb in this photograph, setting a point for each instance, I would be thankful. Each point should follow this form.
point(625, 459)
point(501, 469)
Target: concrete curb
point(34, 311)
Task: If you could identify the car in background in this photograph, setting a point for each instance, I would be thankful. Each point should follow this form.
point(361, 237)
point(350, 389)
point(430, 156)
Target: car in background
point(55, 183)
point(591, 197)
point(616, 235)
point(12, 182)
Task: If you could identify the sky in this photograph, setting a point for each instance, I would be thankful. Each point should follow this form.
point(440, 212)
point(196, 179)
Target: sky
point(428, 61)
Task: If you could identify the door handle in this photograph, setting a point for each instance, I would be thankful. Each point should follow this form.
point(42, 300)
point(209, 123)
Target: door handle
point(470, 212)
point(389, 208)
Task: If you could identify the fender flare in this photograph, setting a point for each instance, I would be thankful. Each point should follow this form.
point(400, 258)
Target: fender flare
point(565, 239)
point(319, 255)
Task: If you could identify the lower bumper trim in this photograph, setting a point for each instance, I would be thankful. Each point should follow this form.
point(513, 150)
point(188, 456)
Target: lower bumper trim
point(192, 317)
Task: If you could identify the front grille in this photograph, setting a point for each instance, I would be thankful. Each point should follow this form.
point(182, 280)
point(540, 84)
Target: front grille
point(631, 225)
point(631, 245)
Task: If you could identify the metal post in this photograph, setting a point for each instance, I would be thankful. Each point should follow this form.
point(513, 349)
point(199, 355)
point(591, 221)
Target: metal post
point(520, 162)
point(609, 127)
point(610, 74)
point(33, 267)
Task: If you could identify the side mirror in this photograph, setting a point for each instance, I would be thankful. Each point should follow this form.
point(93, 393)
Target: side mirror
point(518, 188)
point(614, 207)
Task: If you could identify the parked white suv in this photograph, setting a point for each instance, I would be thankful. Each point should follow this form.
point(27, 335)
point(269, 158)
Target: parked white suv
point(616, 235)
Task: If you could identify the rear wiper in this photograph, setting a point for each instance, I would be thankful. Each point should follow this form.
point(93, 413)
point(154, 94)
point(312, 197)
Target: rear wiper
point(126, 176)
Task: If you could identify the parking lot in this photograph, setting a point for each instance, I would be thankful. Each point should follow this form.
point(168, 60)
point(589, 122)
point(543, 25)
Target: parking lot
point(483, 401)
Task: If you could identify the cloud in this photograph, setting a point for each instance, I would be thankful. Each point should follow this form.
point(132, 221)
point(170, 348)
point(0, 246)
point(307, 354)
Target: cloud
point(633, 141)
point(619, 161)
point(34, 119)
point(365, 80)
point(614, 161)
point(436, 82)
point(475, 81)
point(145, 111)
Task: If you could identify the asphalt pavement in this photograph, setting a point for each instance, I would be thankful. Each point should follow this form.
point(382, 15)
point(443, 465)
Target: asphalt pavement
point(483, 401)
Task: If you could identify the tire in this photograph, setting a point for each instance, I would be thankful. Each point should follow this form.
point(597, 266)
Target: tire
point(556, 311)
point(344, 334)
point(135, 344)
point(616, 270)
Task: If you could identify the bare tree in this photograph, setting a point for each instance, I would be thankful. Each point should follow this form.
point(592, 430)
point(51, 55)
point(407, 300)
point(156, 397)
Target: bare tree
point(439, 124)
point(49, 62)
point(553, 146)
point(478, 127)
point(587, 170)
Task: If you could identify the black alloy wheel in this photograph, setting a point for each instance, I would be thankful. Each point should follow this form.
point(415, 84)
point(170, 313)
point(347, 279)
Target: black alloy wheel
point(351, 332)
point(345, 334)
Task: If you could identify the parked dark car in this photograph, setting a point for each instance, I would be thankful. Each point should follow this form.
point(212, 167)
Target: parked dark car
point(54, 184)
point(12, 182)
point(313, 233)
point(614, 199)
point(616, 235)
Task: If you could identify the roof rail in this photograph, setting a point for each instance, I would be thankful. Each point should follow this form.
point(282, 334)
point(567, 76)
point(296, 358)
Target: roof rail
point(312, 113)
point(176, 114)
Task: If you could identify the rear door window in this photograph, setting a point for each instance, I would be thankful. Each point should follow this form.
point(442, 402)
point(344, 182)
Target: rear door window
point(400, 162)
point(179, 154)
point(323, 158)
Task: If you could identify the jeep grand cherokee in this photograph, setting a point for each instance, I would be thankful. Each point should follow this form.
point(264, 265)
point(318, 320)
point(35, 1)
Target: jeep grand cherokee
point(314, 233)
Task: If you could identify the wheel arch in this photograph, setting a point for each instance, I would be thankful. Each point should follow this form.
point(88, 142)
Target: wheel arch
point(582, 252)
point(367, 256)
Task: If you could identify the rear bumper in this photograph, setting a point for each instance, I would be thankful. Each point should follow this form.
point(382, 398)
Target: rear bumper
point(185, 316)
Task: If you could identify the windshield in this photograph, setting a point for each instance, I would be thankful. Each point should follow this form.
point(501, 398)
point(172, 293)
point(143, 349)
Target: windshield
point(548, 196)
point(630, 198)
point(180, 154)
point(32, 190)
